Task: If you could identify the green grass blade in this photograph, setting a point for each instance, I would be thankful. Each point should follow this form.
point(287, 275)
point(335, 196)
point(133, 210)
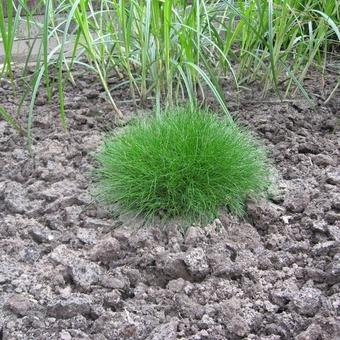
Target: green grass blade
point(10, 120)
point(213, 89)
point(330, 22)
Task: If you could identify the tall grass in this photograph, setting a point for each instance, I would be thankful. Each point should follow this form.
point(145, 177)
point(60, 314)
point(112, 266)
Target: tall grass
point(156, 46)
point(289, 35)
point(175, 50)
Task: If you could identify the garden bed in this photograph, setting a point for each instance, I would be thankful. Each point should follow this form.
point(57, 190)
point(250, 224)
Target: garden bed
point(69, 270)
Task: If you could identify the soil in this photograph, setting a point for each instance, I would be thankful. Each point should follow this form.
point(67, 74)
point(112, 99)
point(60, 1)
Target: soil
point(69, 270)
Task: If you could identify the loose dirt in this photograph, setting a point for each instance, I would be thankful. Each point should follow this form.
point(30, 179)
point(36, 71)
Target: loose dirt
point(69, 270)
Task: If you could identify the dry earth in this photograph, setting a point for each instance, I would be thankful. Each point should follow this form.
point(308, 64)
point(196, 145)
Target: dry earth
point(69, 270)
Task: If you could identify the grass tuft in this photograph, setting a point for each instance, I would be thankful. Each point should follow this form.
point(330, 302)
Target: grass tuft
point(183, 163)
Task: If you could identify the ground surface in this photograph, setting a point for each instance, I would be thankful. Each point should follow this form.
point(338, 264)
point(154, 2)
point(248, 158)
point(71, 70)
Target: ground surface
point(66, 273)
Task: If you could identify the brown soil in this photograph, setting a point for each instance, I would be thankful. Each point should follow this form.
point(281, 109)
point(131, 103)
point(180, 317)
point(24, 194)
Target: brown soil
point(69, 270)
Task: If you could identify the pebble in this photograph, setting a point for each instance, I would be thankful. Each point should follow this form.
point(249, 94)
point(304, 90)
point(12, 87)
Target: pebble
point(112, 299)
point(324, 160)
point(63, 335)
point(319, 225)
point(106, 250)
point(87, 236)
point(334, 231)
point(20, 304)
point(296, 201)
point(16, 199)
point(307, 301)
point(325, 247)
point(196, 262)
point(90, 222)
point(308, 147)
point(42, 235)
point(332, 217)
point(74, 305)
point(333, 271)
point(333, 177)
point(176, 285)
point(335, 202)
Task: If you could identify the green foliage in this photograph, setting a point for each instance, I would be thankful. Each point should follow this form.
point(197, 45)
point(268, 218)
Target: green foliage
point(184, 163)
point(173, 51)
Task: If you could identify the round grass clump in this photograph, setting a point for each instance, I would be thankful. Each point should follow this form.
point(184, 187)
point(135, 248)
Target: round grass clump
point(185, 163)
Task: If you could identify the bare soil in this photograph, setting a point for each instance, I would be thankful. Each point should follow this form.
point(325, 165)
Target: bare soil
point(69, 270)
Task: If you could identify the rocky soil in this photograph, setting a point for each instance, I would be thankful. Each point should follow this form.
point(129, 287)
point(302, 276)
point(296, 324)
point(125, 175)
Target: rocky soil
point(69, 270)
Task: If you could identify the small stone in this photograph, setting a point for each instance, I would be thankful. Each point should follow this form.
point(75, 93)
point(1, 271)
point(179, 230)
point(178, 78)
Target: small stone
point(319, 225)
point(296, 201)
point(313, 332)
point(62, 255)
point(16, 199)
point(30, 254)
point(74, 104)
point(333, 177)
point(42, 235)
point(5, 83)
point(270, 307)
point(238, 326)
point(176, 285)
point(334, 231)
point(2, 189)
point(84, 199)
point(108, 281)
point(172, 266)
point(330, 124)
point(332, 216)
point(134, 276)
point(112, 299)
point(308, 147)
point(63, 335)
point(325, 247)
point(335, 202)
point(286, 219)
point(307, 301)
point(72, 215)
point(315, 274)
point(106, 250)
point(72, 306)
point(91, 93)
point(165, 331)
point(203, 334)
point(65, 292)
point(87, 236)
point(335, 301)
point(40, 101)
point(85, 273)
point(277, 192)
point(20, 305)
point(19, 154)
point(333, 271)
point(50, 194)
point(94, 111)
point(280, 297)
point(196, 262)
point(303, 105)
point(194, 235)
point(97, 223)
point(263, 213)
point(324, 160)
point(3, 278)
point(206, 321)
point(97, 311)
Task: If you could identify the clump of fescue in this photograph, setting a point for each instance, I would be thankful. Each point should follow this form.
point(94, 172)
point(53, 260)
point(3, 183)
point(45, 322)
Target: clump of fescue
point(185, 163)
